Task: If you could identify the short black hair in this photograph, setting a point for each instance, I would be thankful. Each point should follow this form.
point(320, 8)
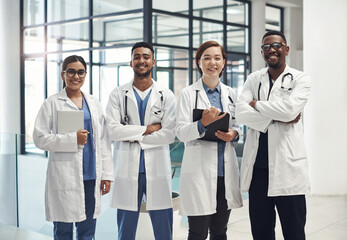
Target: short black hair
point(143, 44)
point(270, 33)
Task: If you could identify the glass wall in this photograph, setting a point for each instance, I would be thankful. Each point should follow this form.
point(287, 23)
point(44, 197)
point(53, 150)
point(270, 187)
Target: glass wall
point(104, 32)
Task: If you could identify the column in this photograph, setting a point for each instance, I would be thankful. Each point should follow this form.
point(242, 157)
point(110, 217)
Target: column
point(258, 30)
point(325, 116)
point(9, 106)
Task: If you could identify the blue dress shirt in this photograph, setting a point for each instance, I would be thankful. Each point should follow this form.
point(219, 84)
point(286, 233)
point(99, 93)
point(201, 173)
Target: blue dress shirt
point(214, 96)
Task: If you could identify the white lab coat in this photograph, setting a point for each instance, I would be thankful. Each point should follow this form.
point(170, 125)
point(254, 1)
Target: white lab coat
point(288, 173)
point(64, 195)
point(129, 141)
point(199, 172)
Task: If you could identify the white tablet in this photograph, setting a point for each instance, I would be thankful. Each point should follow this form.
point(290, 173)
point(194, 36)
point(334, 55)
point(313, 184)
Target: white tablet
point(70, 121)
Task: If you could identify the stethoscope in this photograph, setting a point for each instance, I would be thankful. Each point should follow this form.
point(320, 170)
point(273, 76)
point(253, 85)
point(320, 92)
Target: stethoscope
point(282, 81)
point(126, 117)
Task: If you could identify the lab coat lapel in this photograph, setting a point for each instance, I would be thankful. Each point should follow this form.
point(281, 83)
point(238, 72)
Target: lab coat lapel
point(133, 110)
point(68, 103)
point(264, 89)
point(153, 99)
point(203, 101)
point(91, 106)
point(225, 98)
point(92, 109)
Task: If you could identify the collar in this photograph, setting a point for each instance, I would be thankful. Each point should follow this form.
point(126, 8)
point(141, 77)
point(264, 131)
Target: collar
point(129, 86)
point(63, 94)
point(265, 71)
point(143, 94)
point(217, 89)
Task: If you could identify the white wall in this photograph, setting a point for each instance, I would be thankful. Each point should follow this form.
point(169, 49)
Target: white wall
point(9, 106)
point(325, 117)
point(9, 67)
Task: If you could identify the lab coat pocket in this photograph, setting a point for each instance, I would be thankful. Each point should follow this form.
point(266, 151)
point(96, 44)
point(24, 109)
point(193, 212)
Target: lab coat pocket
point(232, 110)
point(295, 145)
point(162, 162)
point(61, 175)
point(191, 162)
point(122, 159)
point(156, 114)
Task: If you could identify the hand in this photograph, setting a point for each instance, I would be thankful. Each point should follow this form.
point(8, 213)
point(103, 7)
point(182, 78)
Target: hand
point(252, 103)
point(105, 186)
point(82, 136)
point(297, 119)
point(152, 128)
point(211, 115)
point(226, 136)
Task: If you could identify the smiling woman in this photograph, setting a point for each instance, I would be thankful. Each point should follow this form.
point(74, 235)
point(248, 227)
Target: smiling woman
point(72, 65)
point(77, 173)
point(208, 164)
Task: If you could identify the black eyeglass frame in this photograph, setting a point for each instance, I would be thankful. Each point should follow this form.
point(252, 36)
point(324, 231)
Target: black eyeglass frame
point(275, 45)
point(73, 73)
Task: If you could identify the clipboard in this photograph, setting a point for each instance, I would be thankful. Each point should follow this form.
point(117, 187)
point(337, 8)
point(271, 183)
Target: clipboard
point(70, 121)
point(221, 124)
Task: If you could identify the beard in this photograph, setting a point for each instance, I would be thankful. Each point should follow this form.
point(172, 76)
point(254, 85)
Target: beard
point(274, 65)
point(277, 64)
point(145, 74)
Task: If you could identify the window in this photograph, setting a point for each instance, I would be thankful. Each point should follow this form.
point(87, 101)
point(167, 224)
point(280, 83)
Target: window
point(273, 18)
point(104, 36)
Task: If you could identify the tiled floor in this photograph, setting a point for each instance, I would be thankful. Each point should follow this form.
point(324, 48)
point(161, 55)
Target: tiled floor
point(326, 220)
point(8, 232)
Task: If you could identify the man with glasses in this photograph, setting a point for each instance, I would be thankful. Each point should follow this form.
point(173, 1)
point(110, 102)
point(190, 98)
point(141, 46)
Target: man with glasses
point(141, 118)
point(274, 165)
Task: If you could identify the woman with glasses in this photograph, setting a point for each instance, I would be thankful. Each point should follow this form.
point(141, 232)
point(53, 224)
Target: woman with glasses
point(209, 186)
point(80, 167)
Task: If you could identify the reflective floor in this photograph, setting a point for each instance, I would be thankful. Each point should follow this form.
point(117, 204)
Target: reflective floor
point(326, 220)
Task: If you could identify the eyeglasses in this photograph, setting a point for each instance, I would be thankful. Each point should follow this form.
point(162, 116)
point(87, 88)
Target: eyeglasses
point(72, 72)
point(276, 46)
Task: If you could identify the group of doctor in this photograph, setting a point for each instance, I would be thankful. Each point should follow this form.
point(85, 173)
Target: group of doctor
point(142, 120)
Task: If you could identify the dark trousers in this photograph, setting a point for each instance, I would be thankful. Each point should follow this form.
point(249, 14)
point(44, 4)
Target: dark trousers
point(291, 210)
point(217, 222)
point(85, 230)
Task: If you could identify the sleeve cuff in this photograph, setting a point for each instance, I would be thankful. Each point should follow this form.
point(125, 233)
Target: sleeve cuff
point(255, 106)
point(201, 127)
point(237, 138)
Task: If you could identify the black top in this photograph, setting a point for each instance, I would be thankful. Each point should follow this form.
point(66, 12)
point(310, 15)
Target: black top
point(262, 159)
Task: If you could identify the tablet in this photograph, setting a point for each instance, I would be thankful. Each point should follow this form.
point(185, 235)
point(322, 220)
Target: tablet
point(221, 124)
point(70, 121)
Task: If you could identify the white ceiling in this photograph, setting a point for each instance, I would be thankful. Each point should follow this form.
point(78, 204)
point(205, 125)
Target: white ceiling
point(286, 3)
